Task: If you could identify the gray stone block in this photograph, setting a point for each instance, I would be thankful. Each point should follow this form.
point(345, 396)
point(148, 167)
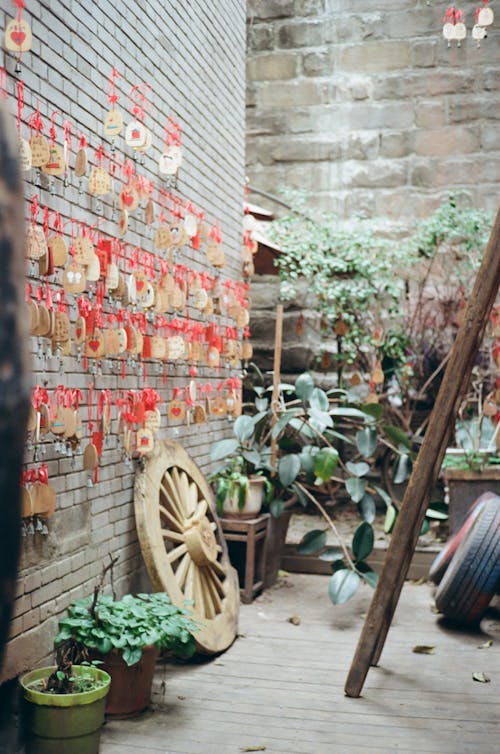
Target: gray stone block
point(267, 9)
point(301, 34)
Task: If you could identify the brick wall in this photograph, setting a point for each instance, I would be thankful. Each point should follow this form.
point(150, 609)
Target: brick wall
point(362, 104)
point(193, 57)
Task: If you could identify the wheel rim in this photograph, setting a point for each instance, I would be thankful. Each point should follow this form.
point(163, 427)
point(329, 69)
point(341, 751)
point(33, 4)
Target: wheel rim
point(183, 544)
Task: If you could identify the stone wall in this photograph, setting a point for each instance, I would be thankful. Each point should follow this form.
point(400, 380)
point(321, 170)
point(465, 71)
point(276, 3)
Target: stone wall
point(176, 48)
point(363, 105)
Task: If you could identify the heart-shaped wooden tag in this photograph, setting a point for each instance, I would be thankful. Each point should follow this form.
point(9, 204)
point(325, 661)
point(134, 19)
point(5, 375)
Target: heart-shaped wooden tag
point(18, 37)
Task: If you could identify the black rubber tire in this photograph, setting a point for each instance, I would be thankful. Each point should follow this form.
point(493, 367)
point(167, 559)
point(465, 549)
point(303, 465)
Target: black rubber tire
point(443, 560)
point(473, 575)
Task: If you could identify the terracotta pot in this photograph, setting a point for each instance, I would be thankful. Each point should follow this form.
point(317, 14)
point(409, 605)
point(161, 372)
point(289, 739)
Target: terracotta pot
point(253, 504)
point(130, 691)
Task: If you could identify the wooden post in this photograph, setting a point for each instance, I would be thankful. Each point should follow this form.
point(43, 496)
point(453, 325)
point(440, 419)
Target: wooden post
point(278, 341)
point(427, 466)
point(14, 381)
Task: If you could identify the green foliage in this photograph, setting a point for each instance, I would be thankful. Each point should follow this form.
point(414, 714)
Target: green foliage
point(129, 625)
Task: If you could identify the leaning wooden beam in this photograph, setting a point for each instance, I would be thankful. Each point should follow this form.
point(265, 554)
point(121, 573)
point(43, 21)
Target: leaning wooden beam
point(427, 466)
point(278, 339)
point(14, 387)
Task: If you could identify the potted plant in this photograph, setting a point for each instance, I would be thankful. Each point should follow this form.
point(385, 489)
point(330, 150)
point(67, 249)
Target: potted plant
point(63, 706)
point(126, 635)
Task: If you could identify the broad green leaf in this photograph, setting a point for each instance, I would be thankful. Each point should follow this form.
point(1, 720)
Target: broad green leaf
point(358, 469)
point(371, 578)
point(320, 420)
point(331, 434)
point(319, 400)
point(312, 542)
point(348, 413)
point(242, 492)
point(367, 508)
point(303, 499)
point(261, 404)
point(276, 508)
point(331, 554)
point(304, 386)
point(362, 541)
point(223, 449)
point(383, 494)
point(325, 463)
point(222, 490)
point(356, 488)
point(343, 585)
point(252, 456)
point(424, 528)
point(366, 441)
point(403, 469)
point(374, 410)
point(390, 518)
point(288, 469)
point(438, 511)
point(283, 421)
point(303, 429)
point(131, 656)
point(244, 427)
point(256, 418)
point(307, 458)
point(397, 436)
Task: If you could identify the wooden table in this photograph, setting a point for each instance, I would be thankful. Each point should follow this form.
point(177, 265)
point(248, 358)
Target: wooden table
point(252, 532)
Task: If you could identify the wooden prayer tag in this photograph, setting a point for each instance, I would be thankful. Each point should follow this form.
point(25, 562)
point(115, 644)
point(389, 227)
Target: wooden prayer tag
point(162, 237)
point(39, 150)
point(99, 182)
point(176, 411)
point(36, 245)
point(18, 37)
point(59, 250)
point(25, 160)
point(90, 457)
point(55, 165)
point(145, 441)
point(74, 279)
point(95, 344)
point(113, 123)
point(81, 162)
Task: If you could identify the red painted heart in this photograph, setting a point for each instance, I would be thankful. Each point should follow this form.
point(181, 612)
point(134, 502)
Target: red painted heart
point(94, 345)
point(79, 332)
point(18, 37)
point(139, 285)
point(175, 411)
point(127, 199)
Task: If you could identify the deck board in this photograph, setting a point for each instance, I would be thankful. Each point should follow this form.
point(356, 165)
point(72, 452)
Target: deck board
point(281, 685)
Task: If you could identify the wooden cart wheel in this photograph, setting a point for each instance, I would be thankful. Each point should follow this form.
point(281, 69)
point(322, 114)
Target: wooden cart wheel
point(183, 545)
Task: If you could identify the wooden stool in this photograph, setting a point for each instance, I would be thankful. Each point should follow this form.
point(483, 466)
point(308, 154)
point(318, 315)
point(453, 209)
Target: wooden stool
point(250, 532)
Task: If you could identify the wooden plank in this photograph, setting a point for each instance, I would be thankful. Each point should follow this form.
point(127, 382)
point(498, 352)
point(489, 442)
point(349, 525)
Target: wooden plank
point(427, 466)
point(278, 340)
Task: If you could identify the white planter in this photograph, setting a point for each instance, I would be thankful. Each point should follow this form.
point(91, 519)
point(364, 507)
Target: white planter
point(253, 504)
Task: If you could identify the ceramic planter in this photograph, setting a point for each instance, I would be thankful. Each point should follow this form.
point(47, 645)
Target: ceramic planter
point(253, 503)
point(63, 723)
point(130, 691)
point(464, 487)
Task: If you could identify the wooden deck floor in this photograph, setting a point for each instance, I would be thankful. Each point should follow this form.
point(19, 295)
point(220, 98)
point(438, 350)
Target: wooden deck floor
point(280, 686)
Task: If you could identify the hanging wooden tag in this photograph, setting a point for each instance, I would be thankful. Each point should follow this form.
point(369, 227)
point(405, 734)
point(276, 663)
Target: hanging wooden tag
point(93, 269)
point(141, 283)
point(176, 411)
point(99, 182)
point(110, 342)
point(113, 123)
point(39, 150)
point(160, 300)
point(213, 357)
point(90, 458)
point(69, 422)
point(196, 351)
point(199, 414)
point(81, 163)
point(136, 134)
point(129, 198)
point(158, 346)
point(122, 223)
point(209, 308)
point(55, 165)
point(178, 236)
point(200, 299)
point(122, 339)
point(218, 406)
point(145, 441)
point(18, 37)
point(44, 499)
point(112, 277)
point(74, 279)
point(171, 160)
point(45, 322)
point(59, 250)
point(83, 250)
point(162, 237)
point(95, 344)
point(26, 503)
point(175, 347)
point(131, 334)
point(152, 420)
point(61, 327)
point(24, 151)
point(32, 421)
point(149, 213)
point(57, 422)
point(168, 284)
point(80, 331)
point(31, 316)
point(178, 298)
point(36, 245)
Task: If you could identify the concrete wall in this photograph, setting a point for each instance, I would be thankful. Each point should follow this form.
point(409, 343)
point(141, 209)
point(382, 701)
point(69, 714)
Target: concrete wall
point(193, 56)
point(362, 104)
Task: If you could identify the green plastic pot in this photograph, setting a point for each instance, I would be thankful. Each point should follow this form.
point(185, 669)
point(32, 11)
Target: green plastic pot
point(63, 723)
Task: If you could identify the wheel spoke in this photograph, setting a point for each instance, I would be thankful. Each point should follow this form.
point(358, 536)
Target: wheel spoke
point(171, 518)
point(188, 588)
point(202, 508)
point(182, 569)
point(170, 492)
point(172, 536)
point(176, 553)
point(193, 498)
point(180, 491)
point(198, 593)
point(214, 581)
point(214, 600)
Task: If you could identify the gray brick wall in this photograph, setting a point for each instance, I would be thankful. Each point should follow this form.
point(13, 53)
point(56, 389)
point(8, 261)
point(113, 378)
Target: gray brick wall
point(193, 56)
point(362, 104)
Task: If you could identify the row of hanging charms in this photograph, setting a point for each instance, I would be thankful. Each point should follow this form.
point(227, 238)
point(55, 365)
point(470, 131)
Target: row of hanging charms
point(455, 30)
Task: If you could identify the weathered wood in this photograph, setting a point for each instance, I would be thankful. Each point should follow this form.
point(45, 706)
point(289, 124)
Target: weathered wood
point(14, 380)
point(278, 341)
point(428, 465)
point(183, 545)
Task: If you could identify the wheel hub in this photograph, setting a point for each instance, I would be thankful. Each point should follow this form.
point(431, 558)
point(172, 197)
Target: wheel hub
point(201, 542)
